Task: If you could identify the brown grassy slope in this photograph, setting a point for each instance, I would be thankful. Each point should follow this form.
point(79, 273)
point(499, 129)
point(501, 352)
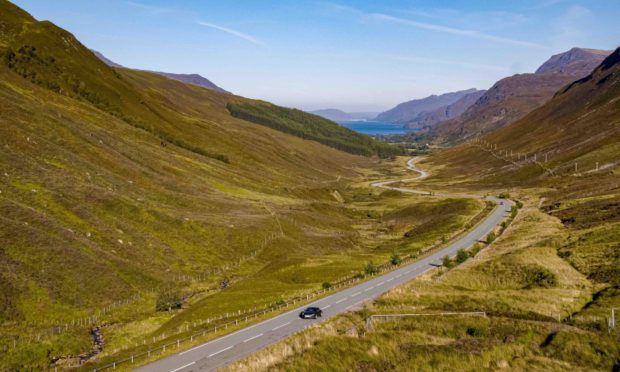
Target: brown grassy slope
point(513, 97)
point(580, 124)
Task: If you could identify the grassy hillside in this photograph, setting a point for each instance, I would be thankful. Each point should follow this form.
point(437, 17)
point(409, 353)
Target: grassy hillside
point(116, 183)
point(312, 127)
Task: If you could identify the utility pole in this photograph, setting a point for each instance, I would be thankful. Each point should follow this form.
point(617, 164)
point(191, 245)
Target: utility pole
point(575, 167)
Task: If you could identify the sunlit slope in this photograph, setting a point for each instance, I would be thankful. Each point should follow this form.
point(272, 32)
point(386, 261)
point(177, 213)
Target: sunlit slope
point(580, 125)
point(312, 127)
point(113, 180)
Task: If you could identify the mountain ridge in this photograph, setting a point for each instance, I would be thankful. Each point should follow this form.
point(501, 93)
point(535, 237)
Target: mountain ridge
point(194, 79)
point(406, 112)
point(511, 98)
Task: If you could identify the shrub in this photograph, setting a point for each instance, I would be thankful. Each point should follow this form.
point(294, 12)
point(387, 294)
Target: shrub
point(474, 332)
point(491, 237)
point(168, 299)
point(538, 276)
point(461, 256)
point(504, 195)
point(396, 260)
point(513, 212)
point(371, 269)
point(358, 276)
point(446, 262)
point(519, 204)
point(475, 249)
point(326, 285)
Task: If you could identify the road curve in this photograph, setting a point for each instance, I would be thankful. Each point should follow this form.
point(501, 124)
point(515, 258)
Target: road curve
point(229, 348)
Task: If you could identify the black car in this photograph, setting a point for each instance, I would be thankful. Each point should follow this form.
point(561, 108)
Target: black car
point(311, 312)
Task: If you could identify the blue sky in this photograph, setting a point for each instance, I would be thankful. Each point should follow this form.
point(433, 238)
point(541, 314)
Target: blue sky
point(353, 55)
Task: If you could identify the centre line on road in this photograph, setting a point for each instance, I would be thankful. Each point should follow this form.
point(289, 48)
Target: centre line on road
point(368, 289)
point(281, 325)
point(389, 280)
point(180, 368)
point(342, 299)
point(221, 351)
point(380, 284)
point(327, 307)
point(251, 338)
point(355, 294)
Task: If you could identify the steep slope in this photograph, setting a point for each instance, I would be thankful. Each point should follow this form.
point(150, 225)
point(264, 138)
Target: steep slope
point(407, 112)
point(116, 182)
point(194, 79)
point(513, 97)
point(580, 124)
point(312, 127)
point(432, 118)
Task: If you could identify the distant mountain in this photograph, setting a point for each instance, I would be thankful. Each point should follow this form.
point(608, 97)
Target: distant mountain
point(407, 112)
point(513, 97)
point(578, 125)
point(432, 118)
point(193, 79)
point(577, 62)
point(339, 115)
point(105, 60)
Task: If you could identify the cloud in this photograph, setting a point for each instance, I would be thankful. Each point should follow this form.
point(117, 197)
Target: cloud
point(452, 30)
point(238, 34)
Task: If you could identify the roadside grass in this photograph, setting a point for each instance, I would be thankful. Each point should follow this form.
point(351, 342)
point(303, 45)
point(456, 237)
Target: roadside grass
point(542, 312)
point(274, 276)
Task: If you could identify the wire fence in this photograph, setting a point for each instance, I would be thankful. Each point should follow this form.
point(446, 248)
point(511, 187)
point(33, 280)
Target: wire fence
point(241, 317)
point(543, 160)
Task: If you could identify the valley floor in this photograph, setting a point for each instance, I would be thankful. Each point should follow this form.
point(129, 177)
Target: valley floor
point(546, 285)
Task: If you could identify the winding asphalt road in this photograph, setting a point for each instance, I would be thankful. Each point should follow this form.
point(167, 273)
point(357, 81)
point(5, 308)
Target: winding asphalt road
point(232, 347)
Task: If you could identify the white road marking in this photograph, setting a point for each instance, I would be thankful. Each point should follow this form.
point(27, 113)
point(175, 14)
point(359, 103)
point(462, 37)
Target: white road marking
point(368, 289)
point(252, 338)
point(326, 307)
point(228, 335)
point(281, 325)
point(389, 280)
point(221, 351)
point(380, 284)
point(399, 275)
point(180, 368)
point(355, 294)
point(342, 299)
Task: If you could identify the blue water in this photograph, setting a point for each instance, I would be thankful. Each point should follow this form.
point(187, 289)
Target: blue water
point(375, 127)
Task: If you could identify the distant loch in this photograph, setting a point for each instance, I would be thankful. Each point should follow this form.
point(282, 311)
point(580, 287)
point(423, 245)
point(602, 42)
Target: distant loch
point(373, 128)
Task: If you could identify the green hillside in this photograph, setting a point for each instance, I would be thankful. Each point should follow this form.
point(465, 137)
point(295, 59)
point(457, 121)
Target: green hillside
point(117, 183)
point(312, 127)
